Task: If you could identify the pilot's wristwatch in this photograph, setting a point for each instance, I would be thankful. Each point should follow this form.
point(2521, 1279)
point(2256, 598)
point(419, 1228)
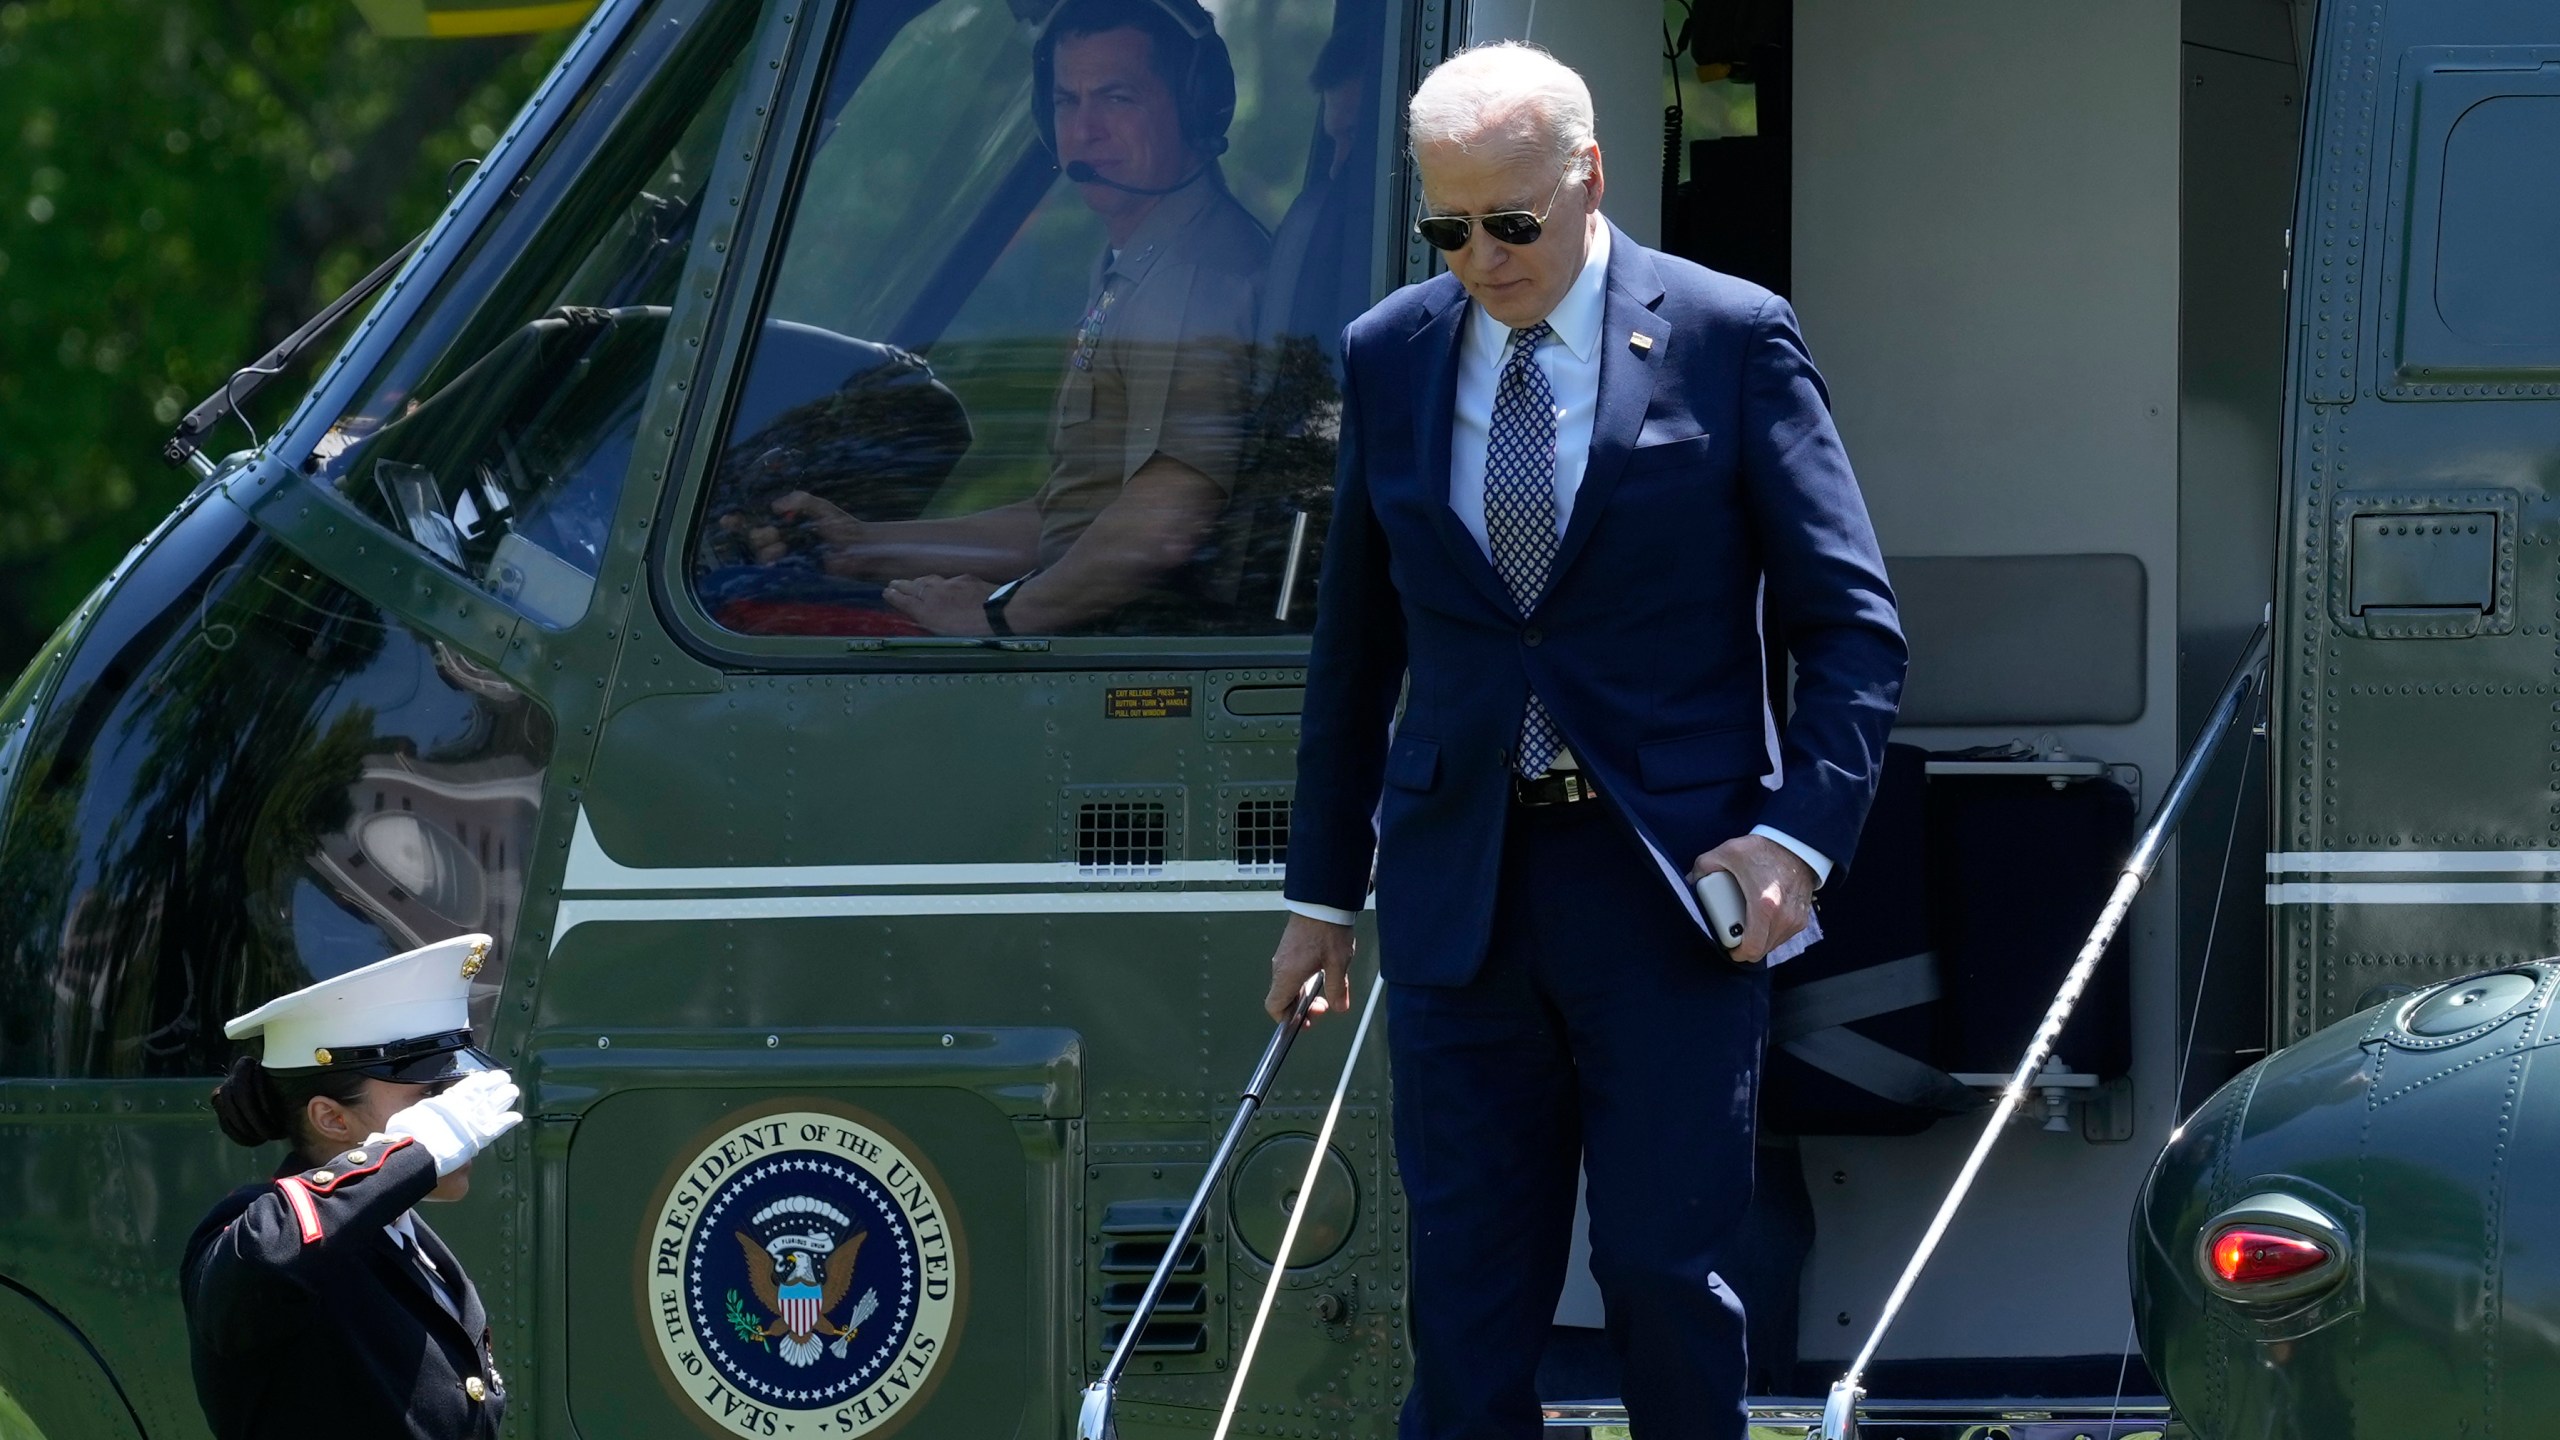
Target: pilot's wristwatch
point(995, 604)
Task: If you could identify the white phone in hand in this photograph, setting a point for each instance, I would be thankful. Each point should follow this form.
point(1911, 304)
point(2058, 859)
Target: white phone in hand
point(1721, 896)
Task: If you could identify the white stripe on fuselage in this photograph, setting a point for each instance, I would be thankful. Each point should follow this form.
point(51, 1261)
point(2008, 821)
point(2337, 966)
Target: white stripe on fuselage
point(574, 913)
point(598, 887)
point(2412, 892)
point(2418, 871)
point(2413, 862)
point(590, 868)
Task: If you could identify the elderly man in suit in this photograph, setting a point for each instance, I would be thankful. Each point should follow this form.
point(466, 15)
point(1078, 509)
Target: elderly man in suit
point(1582, 486)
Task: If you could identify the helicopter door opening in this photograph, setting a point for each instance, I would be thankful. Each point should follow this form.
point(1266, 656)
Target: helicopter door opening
point(2037, 254)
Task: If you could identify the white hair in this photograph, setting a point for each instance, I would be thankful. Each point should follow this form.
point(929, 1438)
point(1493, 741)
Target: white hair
point(1484, 90)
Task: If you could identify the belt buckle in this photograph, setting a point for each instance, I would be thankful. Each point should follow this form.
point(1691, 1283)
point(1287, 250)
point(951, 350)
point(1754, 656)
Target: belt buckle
point(1556, 787)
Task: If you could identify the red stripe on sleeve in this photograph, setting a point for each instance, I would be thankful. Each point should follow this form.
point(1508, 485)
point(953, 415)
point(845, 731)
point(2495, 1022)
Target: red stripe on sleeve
point(306, 1214)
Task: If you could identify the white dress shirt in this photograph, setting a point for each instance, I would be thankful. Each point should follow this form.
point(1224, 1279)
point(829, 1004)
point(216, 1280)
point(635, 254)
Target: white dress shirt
point(1571, 363)
point(404, 1236)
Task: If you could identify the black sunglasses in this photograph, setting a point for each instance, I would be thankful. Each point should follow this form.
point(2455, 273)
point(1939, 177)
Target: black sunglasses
point(1511, 227)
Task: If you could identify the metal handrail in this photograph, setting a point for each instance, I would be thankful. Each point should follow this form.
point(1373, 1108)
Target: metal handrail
point(1840, 1409)
point(1093, 1417)
point(1306, 1194)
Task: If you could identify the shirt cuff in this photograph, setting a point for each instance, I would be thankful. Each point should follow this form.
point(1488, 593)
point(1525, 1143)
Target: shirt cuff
point(1313, 911)
point(1820, 862)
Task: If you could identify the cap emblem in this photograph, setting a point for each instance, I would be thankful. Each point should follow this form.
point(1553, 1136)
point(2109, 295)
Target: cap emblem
point(471, 963)
point(321, 1056)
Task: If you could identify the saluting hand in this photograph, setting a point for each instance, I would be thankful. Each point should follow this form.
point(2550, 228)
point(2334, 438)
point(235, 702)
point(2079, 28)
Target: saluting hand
point(1777, 891)
point(460, 1123)
point(1308, 947)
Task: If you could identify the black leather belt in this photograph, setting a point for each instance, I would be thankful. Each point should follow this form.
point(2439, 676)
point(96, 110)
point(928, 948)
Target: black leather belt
point(1556, 787)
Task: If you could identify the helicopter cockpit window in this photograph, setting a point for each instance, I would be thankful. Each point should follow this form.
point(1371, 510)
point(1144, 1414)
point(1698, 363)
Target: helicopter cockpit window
point(1050, 344)
point(496, 434)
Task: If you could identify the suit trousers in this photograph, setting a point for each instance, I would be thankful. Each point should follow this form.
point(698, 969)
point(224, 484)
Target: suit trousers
point(1604, 1027)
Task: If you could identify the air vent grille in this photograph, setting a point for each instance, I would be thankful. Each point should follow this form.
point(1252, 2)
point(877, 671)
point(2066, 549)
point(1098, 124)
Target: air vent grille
point(1134, 1237)
point(1262, 835)
point(1121, 837)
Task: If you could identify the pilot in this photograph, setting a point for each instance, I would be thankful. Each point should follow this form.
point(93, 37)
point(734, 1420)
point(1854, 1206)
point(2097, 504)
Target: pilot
point(318, 1302)
point(1151, 408)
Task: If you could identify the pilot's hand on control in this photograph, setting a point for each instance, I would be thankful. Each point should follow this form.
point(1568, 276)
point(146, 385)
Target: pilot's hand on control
point(800, 516)
point(1777, 891)
point(460, 1123)
point(1310, 946)
point(943, 604)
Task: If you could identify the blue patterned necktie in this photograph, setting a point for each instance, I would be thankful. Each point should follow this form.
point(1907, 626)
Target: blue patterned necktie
point(1520, 509)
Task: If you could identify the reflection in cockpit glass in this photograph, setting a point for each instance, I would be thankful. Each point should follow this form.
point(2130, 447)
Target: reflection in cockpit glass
point(267, 780)
point(1062, 360)
point(496, 434)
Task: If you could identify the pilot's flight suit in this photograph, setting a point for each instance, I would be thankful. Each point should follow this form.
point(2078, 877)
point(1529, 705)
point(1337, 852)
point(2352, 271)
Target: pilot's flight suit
point(1161, 361)
point(307, 1317)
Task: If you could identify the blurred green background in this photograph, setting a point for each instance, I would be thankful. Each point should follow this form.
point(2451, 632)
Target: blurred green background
point(181, 183)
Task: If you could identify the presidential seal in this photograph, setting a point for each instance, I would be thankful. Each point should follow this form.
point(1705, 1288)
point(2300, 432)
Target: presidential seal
point(801, 1277)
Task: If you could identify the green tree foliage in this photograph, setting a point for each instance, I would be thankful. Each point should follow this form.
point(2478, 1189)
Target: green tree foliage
point(181, 183)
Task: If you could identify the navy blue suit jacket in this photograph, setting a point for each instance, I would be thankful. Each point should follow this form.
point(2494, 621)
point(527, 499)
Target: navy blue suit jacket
point(1717, 490)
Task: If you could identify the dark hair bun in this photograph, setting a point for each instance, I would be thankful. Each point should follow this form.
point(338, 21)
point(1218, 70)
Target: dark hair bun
point(246, 1102)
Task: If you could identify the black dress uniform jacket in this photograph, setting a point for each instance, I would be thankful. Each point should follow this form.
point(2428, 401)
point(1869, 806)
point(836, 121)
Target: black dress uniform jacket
point(306, 1317)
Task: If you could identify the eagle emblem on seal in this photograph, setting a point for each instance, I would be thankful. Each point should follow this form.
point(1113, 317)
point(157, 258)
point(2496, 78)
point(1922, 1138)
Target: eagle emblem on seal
point(801, 1270)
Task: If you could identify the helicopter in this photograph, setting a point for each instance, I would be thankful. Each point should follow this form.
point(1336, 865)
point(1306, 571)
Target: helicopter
point(2338, 1242)
point(485, 634)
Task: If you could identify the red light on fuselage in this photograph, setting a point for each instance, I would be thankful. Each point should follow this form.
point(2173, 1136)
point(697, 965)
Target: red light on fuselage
point(2245, 1255)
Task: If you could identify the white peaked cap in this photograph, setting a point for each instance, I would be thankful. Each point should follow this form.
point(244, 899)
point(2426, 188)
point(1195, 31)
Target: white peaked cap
point(411, 996)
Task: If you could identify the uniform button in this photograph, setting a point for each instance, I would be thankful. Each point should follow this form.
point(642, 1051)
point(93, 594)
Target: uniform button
point(1533, 637)
point(473, 1388)
point(321, 1177)
point(356, 1157)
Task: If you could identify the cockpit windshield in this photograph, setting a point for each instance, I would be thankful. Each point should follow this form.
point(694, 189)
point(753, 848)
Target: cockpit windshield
point(1049, 345)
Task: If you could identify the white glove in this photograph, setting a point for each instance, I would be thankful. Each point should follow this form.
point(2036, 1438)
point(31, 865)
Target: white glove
point(460, 1123)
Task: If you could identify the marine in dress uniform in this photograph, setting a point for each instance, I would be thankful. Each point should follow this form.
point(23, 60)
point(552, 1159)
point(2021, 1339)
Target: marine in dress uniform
point(318, 1302)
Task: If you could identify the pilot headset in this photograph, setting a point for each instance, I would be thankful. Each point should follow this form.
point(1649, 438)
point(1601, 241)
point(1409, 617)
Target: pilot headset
point(1206, 91)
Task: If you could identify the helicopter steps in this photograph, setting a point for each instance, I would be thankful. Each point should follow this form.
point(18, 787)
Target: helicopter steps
point(2092, 1419)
